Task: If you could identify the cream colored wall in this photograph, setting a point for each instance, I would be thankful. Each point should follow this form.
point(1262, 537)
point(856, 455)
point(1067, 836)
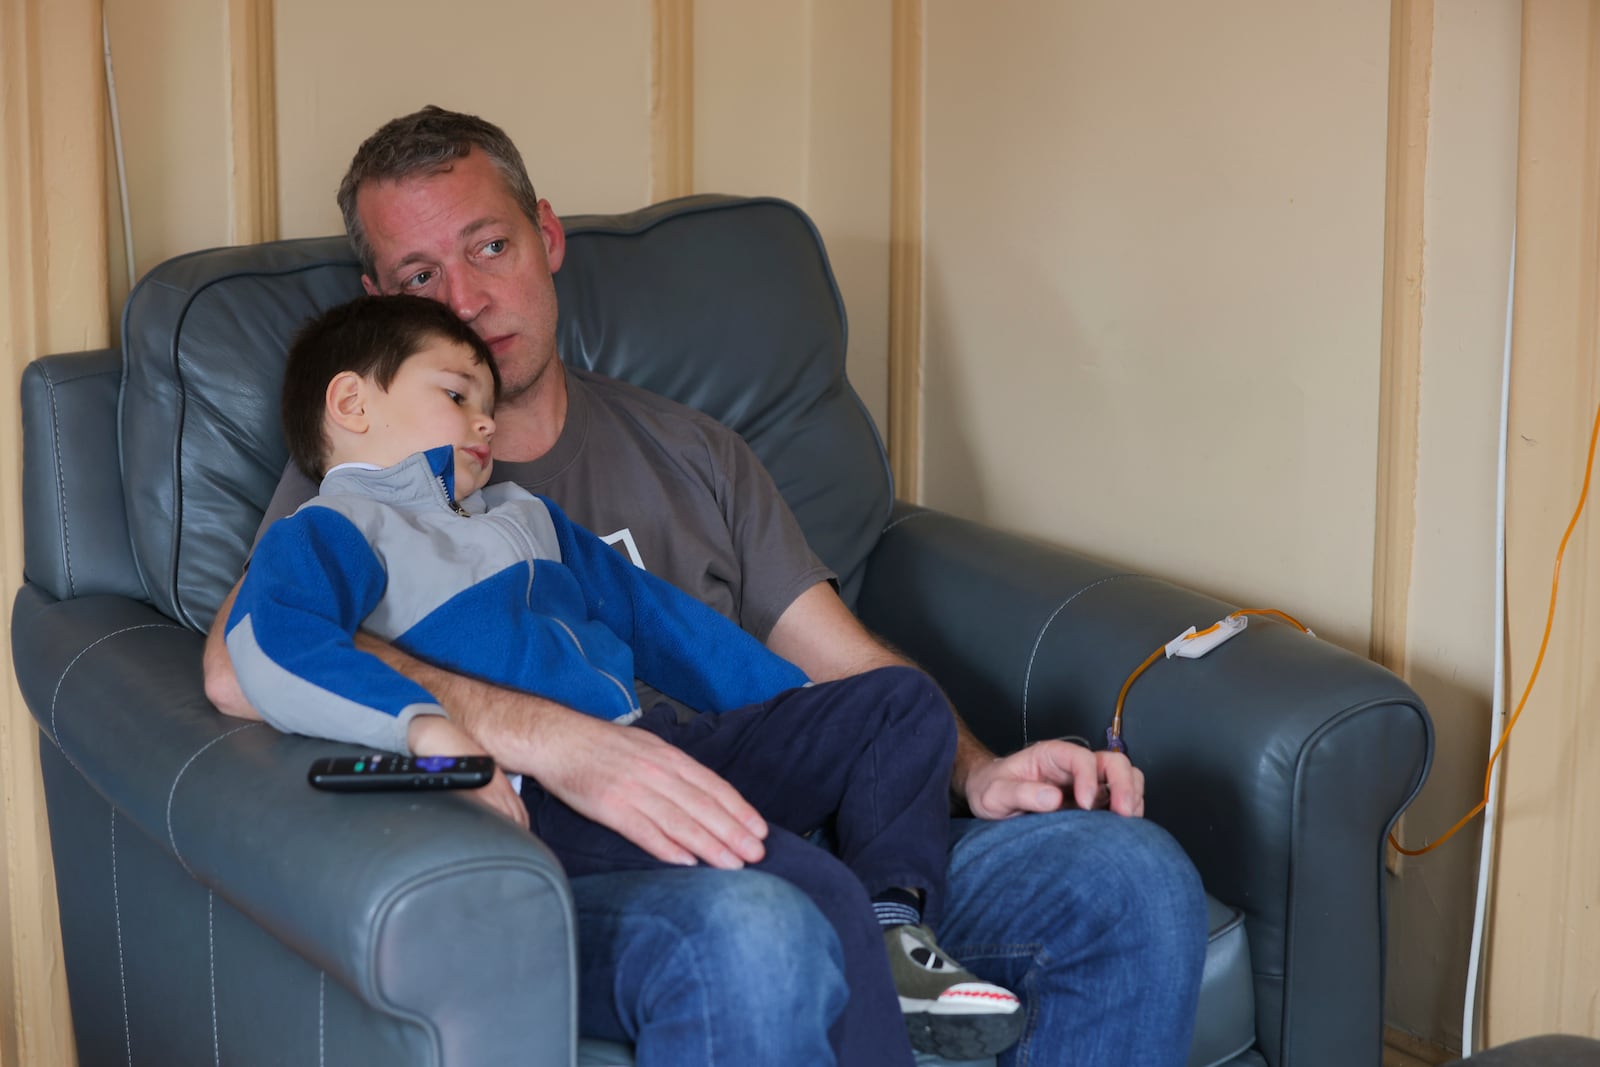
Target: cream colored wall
point(1470, 203)
point(169, 59)
point(568, 82)
point(1153, 287)
point(1545, 913)
point(792, 100)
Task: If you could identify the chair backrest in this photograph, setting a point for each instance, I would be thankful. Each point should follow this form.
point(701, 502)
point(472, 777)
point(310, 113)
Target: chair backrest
point(726, 304)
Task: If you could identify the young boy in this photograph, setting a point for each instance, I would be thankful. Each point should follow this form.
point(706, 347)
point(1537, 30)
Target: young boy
point(388, 400)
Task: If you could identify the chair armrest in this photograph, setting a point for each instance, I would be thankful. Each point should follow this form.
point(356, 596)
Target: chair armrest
point(74, 527)
point(383, 892)
point(1278, 761)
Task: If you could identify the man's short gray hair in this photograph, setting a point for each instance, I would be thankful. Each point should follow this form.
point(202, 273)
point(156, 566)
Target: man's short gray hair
point(425, 142)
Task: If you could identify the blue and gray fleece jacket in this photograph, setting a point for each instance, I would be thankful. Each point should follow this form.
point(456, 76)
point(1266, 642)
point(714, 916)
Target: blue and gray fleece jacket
point(501, 586)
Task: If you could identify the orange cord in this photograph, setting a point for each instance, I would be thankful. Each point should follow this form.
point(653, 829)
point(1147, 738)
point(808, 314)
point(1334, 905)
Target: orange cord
point(1544, 643)
point(1122, 697)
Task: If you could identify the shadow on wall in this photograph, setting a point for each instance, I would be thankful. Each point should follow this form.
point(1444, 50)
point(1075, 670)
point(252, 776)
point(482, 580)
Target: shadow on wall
point(947, 439)
point(1431, 901)
point(861, 267)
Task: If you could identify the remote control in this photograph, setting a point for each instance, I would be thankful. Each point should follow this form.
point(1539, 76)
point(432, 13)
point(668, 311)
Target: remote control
point(386, 771)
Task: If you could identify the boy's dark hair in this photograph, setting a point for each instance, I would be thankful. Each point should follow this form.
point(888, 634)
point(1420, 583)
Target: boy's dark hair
point(425, 142)
point(372, 336)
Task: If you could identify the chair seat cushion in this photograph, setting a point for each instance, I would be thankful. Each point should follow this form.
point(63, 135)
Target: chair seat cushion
point(1551, 1050)
point(1225, 1024)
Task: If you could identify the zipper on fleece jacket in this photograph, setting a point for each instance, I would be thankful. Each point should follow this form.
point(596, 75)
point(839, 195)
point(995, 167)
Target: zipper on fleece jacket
point(525, 547)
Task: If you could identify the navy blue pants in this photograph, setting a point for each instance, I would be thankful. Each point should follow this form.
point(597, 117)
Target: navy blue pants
point(865, 758)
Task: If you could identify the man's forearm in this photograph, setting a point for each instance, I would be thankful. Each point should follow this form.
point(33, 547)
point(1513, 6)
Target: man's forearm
point(820, 635)
point(505, 722)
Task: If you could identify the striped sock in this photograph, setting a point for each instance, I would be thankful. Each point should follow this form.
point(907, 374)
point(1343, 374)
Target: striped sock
point(897, 907)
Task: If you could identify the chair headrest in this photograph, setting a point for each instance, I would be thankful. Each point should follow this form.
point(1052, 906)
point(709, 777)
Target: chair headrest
point(726, 304)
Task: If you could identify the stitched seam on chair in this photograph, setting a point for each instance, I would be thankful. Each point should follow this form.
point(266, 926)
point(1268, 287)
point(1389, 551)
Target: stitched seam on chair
point(905, 518)
point(122, 972)
point(61, 484)
point(55, 735)
point(211, 958)
point(172, 838)
point(1027, 678)
point(322, 1018)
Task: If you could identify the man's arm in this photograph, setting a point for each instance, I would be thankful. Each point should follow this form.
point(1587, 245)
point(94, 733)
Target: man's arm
point(628, 780)
point(820, 635)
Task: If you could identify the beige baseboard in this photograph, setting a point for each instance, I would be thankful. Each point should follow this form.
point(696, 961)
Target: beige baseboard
point(1401, 1049)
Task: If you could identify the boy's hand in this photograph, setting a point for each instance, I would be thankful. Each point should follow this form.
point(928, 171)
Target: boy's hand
point(435, 735)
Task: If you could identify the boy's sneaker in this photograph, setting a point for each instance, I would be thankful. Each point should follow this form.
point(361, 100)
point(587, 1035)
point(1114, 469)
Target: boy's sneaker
point(949, 1011)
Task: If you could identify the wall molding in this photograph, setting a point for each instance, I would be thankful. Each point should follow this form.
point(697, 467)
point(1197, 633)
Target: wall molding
point(671, 99)
point(54, 297)
point(1400, 360)
point(905, 250)
point(1543, 933)
point(252, 121)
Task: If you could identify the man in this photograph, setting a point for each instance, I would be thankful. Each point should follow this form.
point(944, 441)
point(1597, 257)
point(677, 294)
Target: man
point(1093, 915)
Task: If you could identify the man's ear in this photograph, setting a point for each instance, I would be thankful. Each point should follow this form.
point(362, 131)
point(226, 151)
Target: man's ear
point(553, 234)
point(371, 289)
point(346, 402)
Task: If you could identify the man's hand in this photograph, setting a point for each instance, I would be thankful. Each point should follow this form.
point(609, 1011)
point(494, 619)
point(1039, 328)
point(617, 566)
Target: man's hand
point(662, 800)
point(626, 779)
point(1049, 775)
point(435, 735)
point(818, 633)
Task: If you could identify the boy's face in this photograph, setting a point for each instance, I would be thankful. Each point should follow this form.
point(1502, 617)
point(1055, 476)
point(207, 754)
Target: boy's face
point(441, 396)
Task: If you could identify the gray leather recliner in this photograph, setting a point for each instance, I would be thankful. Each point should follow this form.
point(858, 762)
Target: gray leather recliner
point(216, 909)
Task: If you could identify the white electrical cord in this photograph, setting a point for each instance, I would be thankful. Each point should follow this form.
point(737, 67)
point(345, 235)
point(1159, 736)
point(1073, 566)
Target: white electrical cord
point(1470, 1021)
point(116, 141)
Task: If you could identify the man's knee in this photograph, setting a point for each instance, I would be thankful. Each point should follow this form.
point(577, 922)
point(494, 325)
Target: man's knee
point(1123, 874)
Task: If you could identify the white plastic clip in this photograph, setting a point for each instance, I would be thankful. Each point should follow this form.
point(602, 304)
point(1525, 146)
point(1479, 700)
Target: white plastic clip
point(1189, 645)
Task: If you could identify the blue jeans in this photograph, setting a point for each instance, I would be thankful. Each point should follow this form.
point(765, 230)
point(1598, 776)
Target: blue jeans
point(867, 756)
point(1096, 920)
point(704, 967)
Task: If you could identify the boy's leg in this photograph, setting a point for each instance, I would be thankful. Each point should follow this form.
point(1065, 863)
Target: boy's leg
point(868, 755)
point(875, 750)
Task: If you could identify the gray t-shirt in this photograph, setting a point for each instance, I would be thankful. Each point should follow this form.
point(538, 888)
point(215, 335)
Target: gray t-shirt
point(673, 489)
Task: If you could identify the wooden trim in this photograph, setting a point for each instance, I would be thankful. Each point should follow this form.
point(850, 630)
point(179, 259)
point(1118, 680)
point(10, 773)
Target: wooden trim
point(672, 100)
point(1543, 937)
point(1400, 359)
point(54, 296)
point(253, 172)
point(1400, 364)
point(1401, 1049)
point(905, 251)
